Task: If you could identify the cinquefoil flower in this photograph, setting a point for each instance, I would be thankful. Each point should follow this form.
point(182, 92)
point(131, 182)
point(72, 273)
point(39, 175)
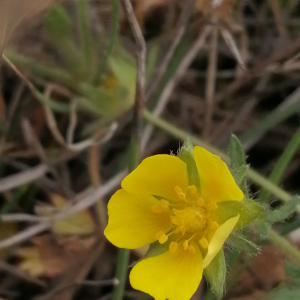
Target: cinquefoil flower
point(158, 203)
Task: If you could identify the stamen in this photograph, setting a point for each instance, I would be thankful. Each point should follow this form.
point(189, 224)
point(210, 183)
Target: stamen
point(214, 225)
point(185, 244)
point(156, 209)
point(161, 237)
point(179, 193)
point(173, 247)
point(192, 190)
point(200, 201)
point(212, 206)
point(203, 243)
point(192, 249)
point(164, 204)
point(160, 207)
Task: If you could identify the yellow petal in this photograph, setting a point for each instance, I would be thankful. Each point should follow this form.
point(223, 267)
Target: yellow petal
point(172, 276)
point(216, 182)
point(219, 239)
point(158, 175)
point(132, 224)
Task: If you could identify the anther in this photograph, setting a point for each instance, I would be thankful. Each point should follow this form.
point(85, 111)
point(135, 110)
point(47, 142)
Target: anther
point(200, 201)
point(203, 243)
point(192, 249)
point(212, 206)
point(192, 190)
point(156, 209)
point(161, 237)
point(179, 192)
point(185, 245)
point(173, 247)
point(164, 204)
point(214, 225)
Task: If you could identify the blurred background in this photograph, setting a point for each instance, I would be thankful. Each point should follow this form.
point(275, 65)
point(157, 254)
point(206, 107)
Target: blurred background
point(67, 89)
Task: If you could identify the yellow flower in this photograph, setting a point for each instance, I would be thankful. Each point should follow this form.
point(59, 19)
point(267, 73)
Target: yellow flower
point(158, 203)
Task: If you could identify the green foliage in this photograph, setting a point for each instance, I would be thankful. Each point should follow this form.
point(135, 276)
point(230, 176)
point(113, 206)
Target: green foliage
point(57, 23)
point(292, 271)
point(241, 244)
point(282, 213)
point(284, 292)
point(248, 210)
point(186, 155)
point(238, 163)
point(215, 273)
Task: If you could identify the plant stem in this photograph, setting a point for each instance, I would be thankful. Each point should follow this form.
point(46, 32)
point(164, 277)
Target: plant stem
point(85, 30)
point(285, 246)
point(182, 135)
point(282, 164)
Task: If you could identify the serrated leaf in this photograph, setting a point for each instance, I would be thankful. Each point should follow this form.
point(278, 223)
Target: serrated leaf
point(215, 273)
point(282, 213)
point(248, 210)
point(186, 155)
point(241, 244)
point(238, 163)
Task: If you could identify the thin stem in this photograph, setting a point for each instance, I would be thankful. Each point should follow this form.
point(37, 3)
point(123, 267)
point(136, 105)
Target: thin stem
point(85, 30)
point(285, 246)
point(282, 164)
point(123, 257)
point(182, 135)
point(112, 39)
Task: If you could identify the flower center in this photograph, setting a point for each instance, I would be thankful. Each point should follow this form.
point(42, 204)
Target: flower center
point(193, 220)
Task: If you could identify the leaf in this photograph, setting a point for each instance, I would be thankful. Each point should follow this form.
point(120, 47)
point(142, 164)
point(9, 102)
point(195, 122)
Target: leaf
point(242, 244)
point(238, 163)
point(6, 230)
point(292, 271)
point(282, 213)
point(186, 155)
point(285, 292)
point(216, 274)
point(248, 210)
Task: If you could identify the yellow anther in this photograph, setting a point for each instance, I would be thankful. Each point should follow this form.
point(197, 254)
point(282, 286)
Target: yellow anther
point(173, 247)
point(156, 209)
point(214, 225)
point(203, 243)
point(200, 201)
point(164, 204)
point(185, 245)
point(179, 192)
point(192, 249)
point(212, 206)
point(161, 237)
point(192, 190)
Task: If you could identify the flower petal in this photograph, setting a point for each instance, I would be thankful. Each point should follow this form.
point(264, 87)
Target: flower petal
point(172, 276)
point(158, 175)
point(219, 239)
point(132, 224)
point(216, 182)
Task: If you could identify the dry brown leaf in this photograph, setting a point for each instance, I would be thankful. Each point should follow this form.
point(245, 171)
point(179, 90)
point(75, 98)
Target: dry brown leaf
point(48, 257)
point(6, 230)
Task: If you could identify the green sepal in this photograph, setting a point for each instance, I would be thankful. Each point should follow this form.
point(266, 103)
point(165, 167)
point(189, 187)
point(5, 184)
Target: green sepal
point(154, 249)
point(282, 213)
point(263, 228)
point(248, 210)
point(238, 163)
point(187, 156)
point(215, 273)
point(241, 244)
point(57, 23)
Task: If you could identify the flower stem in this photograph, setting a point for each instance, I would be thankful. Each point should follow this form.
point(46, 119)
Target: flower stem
point(285, 246)
point(182, 135)
point(123, 258)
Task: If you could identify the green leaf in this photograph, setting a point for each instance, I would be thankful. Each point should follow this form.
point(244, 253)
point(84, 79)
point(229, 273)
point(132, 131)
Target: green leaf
point(282, 213)
point(186, 155)
point(248, 210)
point(285, 292)
point(292, 271)
point(215, 273)
point(242, 244)
point(238, 163)
point(57, 23)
